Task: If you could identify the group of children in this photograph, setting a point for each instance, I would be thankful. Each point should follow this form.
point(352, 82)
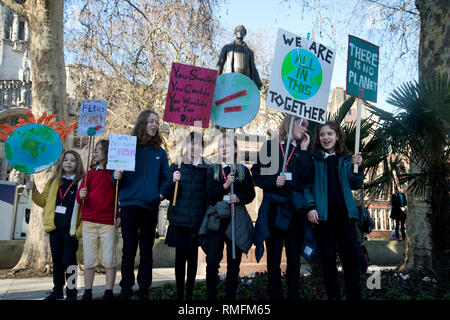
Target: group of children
point(313, 187)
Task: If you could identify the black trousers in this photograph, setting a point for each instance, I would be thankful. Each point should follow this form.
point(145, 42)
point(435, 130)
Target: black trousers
point(138, 227)
point(399, 222)
point(340, 235)
point(292, 240)
point(185, 255)
point(214, 253)
point(63, 248)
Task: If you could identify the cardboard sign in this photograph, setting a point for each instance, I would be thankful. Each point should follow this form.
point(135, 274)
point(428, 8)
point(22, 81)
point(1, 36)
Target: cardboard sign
point(236, 100)
point(121, 152)
point(362, 69)
point(92, 118)
point(190, 95)
point(301, 77)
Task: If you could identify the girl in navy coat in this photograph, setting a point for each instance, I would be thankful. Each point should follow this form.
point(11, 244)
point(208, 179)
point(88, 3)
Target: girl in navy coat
point(139, 198)
point(187, 214)
point(336, 212)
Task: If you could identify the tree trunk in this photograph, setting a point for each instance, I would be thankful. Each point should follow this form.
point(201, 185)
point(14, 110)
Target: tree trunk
point(418, 241)
point(45, 24)
point(434, 55)
point(434, 59)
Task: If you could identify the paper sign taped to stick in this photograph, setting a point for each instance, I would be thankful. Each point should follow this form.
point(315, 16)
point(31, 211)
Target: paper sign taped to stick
point(92, 118)
point(121, 152)
point(362, 69)
point(301, 77)
point(190, 95)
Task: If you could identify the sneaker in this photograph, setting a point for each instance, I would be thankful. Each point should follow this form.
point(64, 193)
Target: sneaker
point(55, 295)
point(108, 295)
point(87, 296)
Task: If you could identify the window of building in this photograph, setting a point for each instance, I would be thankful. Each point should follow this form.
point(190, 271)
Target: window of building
point(21, 30)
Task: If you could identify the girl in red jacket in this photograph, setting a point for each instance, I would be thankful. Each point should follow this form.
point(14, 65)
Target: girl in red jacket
point(99, 228)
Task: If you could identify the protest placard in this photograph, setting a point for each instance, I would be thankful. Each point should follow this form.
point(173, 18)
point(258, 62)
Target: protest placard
point(91, 121)
point(362, 69)
point(236, 100)
point(121, 152)
point(190, 95)
point(301, 76)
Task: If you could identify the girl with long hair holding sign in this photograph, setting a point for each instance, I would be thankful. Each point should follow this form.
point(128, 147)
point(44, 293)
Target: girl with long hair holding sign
point(282, 213)
point(140, 194)
point(96, 200)
point(62, 219)
point(335, 211)
point(216, 228)
point(186, 210)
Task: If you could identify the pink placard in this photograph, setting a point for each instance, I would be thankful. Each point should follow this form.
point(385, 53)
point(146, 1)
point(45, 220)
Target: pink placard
point(190, 95)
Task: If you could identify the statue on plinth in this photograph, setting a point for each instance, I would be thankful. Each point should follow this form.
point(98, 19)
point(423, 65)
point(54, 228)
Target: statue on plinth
point(238, 57)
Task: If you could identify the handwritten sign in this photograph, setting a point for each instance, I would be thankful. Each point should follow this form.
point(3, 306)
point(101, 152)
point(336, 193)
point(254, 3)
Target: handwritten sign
point(190, 95)
point(301, 77)
point(121, 152)
point(362, 69)
point(92, 118)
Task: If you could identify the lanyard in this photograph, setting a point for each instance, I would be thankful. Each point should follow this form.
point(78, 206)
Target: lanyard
point(282, 152)
point(60, 193)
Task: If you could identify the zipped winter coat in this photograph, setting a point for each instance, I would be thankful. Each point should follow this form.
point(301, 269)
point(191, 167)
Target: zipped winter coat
point(143, 186)
point(191, 198)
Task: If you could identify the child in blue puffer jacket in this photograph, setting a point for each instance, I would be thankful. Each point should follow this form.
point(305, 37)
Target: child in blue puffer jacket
point(335, 213)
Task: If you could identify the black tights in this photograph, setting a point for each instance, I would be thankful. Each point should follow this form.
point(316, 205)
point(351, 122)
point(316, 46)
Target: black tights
point(183, 255)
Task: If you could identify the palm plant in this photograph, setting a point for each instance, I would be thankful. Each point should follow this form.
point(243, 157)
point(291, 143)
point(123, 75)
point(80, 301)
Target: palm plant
point(418, 133)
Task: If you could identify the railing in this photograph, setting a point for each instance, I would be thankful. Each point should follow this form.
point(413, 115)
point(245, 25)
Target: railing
point(381, 218)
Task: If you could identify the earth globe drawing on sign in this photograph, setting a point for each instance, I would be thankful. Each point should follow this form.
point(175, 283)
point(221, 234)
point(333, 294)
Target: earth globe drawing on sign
point(236, 100)
point(301, 74)
point(33, 148)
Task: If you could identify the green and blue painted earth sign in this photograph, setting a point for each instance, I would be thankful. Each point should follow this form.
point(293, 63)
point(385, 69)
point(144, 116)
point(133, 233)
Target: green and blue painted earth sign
point(301, 74)
point(236, 100)
point(33, 148)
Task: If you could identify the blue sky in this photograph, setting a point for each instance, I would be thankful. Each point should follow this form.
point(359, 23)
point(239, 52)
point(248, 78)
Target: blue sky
point(269, 15)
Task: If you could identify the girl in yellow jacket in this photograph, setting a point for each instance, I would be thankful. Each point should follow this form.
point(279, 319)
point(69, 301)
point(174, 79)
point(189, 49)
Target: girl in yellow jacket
point(62, 220)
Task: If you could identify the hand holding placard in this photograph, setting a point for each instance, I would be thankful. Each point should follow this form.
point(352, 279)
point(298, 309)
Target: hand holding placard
point(121, 157)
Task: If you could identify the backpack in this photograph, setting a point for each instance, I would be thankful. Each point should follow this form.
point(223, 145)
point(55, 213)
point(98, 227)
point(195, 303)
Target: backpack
point(365, 222)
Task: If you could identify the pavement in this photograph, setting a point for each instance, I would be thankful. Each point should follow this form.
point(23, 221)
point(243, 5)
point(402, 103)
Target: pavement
point(39, 288)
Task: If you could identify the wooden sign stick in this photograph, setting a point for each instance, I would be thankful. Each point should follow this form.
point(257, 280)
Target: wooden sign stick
point(358, 127)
